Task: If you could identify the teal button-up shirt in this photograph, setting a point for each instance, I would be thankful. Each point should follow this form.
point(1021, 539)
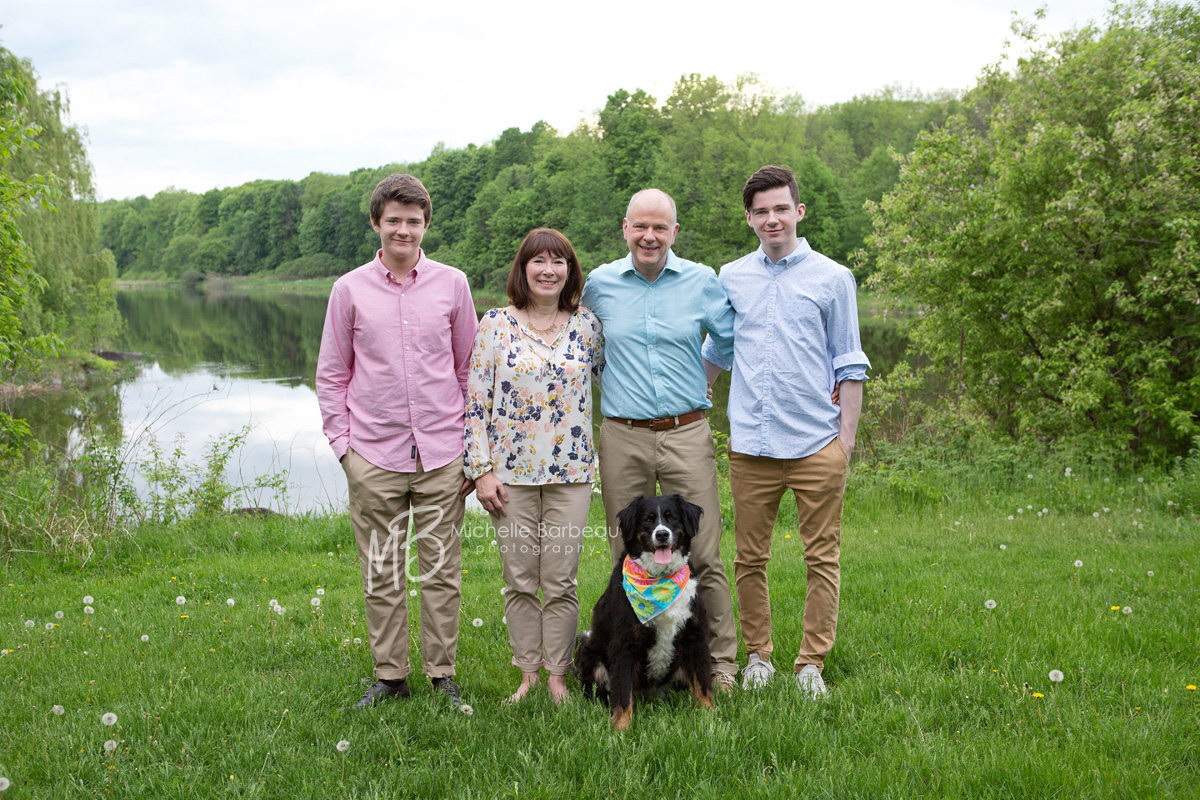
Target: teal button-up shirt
point(653, 333)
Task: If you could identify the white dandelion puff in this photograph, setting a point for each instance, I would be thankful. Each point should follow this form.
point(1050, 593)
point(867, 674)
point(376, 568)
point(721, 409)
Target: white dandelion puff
point(88, 600)
point(89, 610)
point(145, 638)
point(1010, 516)
point(273, 602)
point(180, 600)
point(1150, 574)
point(466, 709)
point(230, 602)
point(29, 623)
point(504, 620)
point(343, 746)
point(58, 615)
point(58, 711)
point(477, 622)
point(412, 592)
point(316, 602)
point(1003, 547)
point(990, 604)
point(49, 626)
point(280, 610)
point(320, 591)
point(110, 745)
point(345, 642)
point(4, 784)
point(1126, 610)
point(109, 719)
point(1078, 563)
point(1056, 675)
point(357, 640)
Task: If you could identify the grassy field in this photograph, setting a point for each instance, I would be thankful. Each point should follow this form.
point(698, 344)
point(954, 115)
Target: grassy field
point(932, 693)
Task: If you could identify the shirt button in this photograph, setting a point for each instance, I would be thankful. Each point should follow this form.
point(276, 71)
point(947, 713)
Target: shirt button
point(405, 322)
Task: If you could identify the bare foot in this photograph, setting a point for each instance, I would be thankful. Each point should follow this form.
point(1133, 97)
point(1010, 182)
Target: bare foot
point(528, 681)
point(558, 689)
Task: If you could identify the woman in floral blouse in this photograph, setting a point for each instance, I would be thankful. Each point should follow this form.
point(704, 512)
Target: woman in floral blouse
point(529, 448)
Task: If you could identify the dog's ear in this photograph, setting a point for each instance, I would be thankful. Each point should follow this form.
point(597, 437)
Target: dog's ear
point(691, 517)
point(628, 519)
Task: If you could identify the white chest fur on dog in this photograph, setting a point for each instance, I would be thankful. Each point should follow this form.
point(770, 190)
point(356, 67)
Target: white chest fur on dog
point(666, 625)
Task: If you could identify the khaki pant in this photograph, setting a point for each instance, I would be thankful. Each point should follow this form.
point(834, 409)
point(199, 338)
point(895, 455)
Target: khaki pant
point(540, 540)
point(380, 505)
point(818, 483)
point(681, 461)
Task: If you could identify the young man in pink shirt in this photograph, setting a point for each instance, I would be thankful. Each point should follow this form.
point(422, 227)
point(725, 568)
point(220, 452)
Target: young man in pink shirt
point(391, 383)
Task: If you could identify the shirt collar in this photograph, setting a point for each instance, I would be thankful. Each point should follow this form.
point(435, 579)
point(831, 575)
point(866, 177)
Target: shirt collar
point(791, 259)
point(672, 263)
point(386, 273)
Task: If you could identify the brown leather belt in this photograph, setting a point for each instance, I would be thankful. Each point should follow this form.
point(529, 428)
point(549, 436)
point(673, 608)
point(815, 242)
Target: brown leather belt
point(662, 423)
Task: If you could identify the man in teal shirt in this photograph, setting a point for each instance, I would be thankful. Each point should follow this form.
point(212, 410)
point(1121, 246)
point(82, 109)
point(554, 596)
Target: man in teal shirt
point(655, 308)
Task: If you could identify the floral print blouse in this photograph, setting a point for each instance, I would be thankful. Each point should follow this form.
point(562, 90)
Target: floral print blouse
point(529, 414)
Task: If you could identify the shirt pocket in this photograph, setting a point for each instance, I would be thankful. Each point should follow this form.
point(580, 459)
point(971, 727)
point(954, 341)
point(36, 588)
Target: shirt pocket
point(434, 335)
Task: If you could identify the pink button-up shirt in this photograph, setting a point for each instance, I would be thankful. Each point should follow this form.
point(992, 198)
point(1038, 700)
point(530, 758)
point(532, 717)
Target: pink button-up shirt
point(392, 373)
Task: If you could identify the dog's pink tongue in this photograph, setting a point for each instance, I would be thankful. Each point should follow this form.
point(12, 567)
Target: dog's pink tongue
point(662, 555)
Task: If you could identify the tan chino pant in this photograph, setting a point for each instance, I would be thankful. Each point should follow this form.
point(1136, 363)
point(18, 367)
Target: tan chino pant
point(380, 505)
point(818, 483)
point(680, 461)
point(540, 540)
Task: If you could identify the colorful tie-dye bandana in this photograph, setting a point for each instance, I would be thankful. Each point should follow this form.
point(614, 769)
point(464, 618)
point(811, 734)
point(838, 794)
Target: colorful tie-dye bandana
point(651, 596)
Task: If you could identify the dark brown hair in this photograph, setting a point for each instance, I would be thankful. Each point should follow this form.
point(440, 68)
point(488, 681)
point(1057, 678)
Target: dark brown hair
point(404, 189)
point(545, 240)
point(770, 177)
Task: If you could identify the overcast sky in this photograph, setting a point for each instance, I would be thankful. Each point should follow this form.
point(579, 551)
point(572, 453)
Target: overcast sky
point(219, 92)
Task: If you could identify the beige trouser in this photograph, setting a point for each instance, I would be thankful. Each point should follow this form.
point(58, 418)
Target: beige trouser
point(818, 483)
point(681, 461)
point(380, 505)
point(540, 540)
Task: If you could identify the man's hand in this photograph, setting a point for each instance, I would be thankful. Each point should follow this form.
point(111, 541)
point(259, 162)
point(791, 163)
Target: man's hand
point(491, 494)
point(467, 487)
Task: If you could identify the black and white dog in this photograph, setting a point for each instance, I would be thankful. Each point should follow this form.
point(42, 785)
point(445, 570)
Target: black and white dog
point(649, 628)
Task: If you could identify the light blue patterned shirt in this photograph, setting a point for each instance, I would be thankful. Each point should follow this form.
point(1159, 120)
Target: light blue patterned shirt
point(653, 333)
point(795, 334)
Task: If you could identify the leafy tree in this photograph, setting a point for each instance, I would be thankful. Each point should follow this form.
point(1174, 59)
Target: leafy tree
point(1049, 231)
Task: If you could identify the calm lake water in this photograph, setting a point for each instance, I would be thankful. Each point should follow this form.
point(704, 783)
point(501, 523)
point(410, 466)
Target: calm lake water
point(216, 364)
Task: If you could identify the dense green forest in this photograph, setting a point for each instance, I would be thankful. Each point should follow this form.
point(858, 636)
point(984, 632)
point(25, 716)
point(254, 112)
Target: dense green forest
point(700, 145)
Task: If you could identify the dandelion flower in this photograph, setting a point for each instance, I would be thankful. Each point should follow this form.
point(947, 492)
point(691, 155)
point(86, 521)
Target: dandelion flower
point(316, 602)
point(990, 604)
point(320, 591)
point(273, 602)
point(1150, 573)
point(1003, 547)
point(145, 638)
point(343, 746)
point(1045, 511)
point(58, 711)
point(88, 600)
point(412, 592)
point(29, 623)
point(477, 622)
point(1114, 608)
point(279, 610)
point(345, 642)
point(4, 784)
point(230, 602)
point(180, 600)
point(1078, 563)
point(1038, 694)
point(49, 626)
point(1056, 675)
point(1191, 687)
point(466, 709)
point(1096, 514)
point(109, 719)
point(1010, 516)
point(110, 745)
point(504, 620)
point(1126, 610)
point(357, 640)
point(89, 610)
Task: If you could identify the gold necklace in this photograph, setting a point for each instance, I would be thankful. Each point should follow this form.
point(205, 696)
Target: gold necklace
point(548, 330)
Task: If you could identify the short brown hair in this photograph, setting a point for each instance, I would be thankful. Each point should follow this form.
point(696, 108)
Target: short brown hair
point(400, 188)
point(770, 177)
point(545, 240)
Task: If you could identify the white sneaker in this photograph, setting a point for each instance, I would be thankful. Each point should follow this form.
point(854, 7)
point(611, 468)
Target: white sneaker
point(757, 673)
point(808, 680)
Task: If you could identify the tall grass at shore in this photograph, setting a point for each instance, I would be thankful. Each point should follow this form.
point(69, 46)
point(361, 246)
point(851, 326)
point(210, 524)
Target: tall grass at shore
point(934, 690)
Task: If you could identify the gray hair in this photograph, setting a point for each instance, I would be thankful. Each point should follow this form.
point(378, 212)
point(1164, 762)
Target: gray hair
point(670, 200)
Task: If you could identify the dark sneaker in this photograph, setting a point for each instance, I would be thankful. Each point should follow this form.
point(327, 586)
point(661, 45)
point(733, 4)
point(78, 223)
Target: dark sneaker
point(381, 690)
point(448, 687)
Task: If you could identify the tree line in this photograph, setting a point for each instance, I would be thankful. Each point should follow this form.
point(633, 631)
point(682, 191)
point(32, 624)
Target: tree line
point(699, 144)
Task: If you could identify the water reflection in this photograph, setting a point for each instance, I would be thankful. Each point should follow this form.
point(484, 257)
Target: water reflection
point(217, 363)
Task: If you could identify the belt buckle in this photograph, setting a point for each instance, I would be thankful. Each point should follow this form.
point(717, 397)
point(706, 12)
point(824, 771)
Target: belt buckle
point(662, 424)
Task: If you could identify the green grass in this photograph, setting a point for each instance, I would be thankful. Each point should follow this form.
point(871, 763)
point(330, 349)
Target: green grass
point(931, 694)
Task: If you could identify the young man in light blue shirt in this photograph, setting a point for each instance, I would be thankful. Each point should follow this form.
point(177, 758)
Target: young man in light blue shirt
point(655, 308)
point(796, 341)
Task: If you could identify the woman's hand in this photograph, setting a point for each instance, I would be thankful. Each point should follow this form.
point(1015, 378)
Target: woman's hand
point(491, 493)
